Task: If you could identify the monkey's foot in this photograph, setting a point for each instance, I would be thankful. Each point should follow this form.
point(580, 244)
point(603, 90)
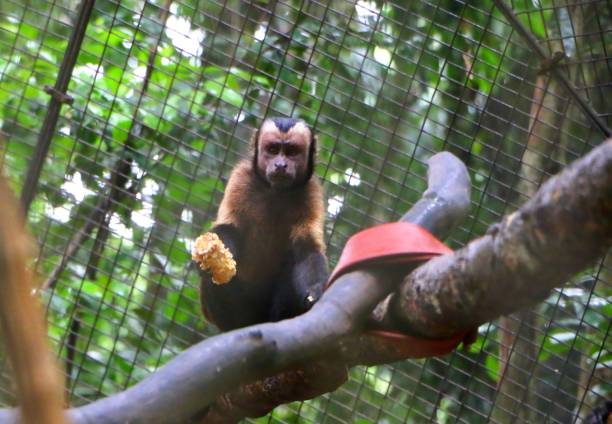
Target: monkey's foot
point(212, 255)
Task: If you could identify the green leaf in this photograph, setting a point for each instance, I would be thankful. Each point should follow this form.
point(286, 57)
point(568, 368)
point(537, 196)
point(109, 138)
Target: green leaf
point(121, 130)
point(92, 289)
point(492, 365)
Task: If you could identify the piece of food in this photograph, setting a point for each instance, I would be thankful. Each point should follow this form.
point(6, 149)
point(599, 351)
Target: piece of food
point(212, 255)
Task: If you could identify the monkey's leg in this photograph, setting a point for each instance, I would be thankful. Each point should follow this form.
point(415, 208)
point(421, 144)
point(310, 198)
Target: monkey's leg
point(235, 303)
point(232, 305)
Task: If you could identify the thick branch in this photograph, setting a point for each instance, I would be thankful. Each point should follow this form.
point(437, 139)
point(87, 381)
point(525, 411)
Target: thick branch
point(559, 232)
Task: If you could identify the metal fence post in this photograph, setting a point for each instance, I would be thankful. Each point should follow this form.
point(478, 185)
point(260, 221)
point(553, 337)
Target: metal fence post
point(58, 97)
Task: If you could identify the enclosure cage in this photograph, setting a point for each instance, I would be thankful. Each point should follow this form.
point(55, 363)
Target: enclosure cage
point(120, 121)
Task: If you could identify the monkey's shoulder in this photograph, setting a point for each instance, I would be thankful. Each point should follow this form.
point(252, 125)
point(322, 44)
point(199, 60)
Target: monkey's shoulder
point(237, 197)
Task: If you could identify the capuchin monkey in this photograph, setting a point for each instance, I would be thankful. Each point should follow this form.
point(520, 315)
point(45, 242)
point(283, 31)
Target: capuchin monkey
point(271, 221)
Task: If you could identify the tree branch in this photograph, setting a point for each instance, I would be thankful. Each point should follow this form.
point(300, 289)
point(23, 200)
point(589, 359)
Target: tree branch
point(446, 202)
point(559, 232)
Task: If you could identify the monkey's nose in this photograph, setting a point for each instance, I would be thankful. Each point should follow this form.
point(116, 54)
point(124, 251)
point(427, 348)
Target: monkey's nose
point(280, 165)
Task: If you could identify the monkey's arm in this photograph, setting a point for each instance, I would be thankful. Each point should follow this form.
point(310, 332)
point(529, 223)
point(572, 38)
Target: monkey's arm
point(232, 305)
point(310, 272)
point(229, 235)
point(304, 282)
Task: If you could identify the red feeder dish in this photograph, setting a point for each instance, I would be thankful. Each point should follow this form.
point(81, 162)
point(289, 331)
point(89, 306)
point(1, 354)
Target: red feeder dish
point(397, 243)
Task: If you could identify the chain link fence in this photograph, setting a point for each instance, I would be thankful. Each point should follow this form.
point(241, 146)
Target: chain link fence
point(120, 121)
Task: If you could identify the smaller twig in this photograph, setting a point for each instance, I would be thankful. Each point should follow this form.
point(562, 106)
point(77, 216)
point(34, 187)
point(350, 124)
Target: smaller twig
point(551, 62)
point(100, 219)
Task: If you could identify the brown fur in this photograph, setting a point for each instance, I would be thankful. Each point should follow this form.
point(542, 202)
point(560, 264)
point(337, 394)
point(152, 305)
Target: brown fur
point(270, 220)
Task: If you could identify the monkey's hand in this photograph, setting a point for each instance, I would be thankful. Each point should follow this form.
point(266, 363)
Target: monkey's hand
point(212, 255)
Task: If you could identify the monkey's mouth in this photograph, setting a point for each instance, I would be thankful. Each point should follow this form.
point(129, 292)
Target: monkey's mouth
point(280, 179)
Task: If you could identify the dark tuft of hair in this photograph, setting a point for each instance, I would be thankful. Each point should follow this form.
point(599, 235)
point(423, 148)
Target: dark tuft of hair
point(285, 124)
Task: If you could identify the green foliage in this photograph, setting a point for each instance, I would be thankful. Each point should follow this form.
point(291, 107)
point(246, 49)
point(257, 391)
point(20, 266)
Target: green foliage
point(385, 84)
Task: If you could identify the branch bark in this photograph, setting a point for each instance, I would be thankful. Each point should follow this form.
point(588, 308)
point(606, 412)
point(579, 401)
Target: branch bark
point(557, 233)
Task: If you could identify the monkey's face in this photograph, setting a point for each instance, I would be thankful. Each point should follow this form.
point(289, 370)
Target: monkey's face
point(282, 157)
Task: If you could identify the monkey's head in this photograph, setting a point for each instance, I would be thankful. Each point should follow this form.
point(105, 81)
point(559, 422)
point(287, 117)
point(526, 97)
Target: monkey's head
point(283, 152)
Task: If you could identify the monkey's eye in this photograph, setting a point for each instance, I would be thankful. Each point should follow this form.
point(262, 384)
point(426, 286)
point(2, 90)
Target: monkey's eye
point(272, 148)
point(292, 150)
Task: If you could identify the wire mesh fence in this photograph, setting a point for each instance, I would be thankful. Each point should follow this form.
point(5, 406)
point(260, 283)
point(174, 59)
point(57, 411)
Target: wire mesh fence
point(144, 127)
